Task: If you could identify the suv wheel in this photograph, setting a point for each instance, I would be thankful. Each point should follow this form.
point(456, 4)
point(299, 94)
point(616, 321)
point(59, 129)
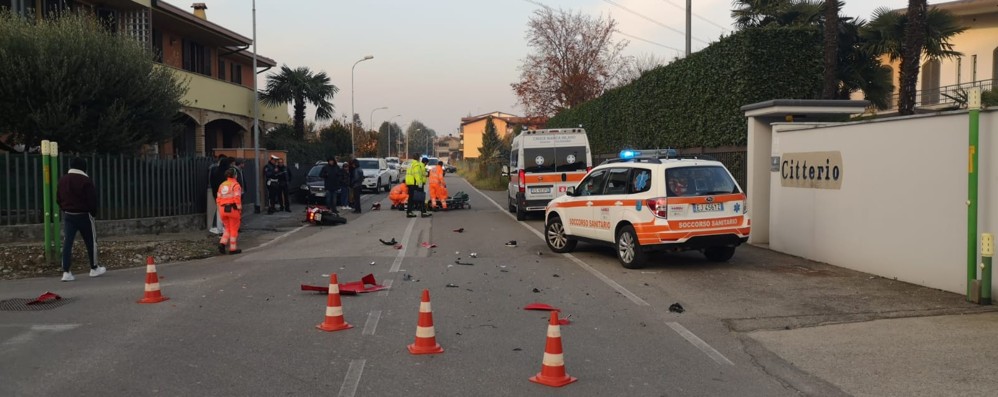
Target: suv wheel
point(512, 209)
point(521, 214)
point(557, 240)
point(629, 251)
point(719, 254)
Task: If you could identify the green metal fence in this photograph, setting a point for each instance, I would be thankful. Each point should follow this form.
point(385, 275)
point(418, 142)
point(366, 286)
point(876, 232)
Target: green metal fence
point(127, 186)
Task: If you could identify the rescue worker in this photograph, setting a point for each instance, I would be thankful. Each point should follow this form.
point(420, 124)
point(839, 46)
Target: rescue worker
point(438, 188)
point(415, 178)
point(230, 205)
point(270, 180)
point(399, 195)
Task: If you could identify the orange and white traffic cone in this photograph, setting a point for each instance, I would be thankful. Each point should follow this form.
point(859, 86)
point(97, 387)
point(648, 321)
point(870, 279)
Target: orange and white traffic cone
point(553, 367)
point(152, 294)
point(426, 339)
point(334, 309)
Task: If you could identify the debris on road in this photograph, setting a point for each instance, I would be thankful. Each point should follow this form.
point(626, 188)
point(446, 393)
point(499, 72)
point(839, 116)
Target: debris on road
point(366, 284)
point(452, 286)
point(406, 277)
point(539, 306)
point(459, 230)
point(511, 243)
point(427, 245)
point(393, 242)
point(458, 261)
point(398, 246)
point(676, 308)
point(47, 296)
point(555, 275)
point(536, 290)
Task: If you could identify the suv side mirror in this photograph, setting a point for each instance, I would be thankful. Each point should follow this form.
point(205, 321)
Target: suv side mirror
point(570, 191)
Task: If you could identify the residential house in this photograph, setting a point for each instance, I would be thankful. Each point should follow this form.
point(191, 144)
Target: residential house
point(978, 66)
point(473, 128)
point(448, 148)
point(216, 62)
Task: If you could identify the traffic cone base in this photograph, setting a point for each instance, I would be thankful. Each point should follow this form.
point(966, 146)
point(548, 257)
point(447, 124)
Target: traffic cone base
point(553, 366)
point(334, 309)
point(426, 340)
point(152, 294)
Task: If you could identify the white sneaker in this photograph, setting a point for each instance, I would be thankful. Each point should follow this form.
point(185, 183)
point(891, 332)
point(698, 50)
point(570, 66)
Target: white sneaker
point(98, 271)
point(213, 231)
point(67, 276)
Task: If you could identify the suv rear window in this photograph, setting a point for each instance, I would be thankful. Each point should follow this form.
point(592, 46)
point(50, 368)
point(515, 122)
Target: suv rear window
point(368, 164)
point(699, 181)
point(551, 159)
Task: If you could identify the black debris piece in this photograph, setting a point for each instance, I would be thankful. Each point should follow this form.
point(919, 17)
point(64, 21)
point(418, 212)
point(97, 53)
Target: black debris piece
point(503, 271)
point(676, 308)
point(511, 243)
point(459, 230)
point(458, 261)
point(517, 349)
point(451, 285)
point(393, 242)
point(556, 275)
point(536, 290)
point(406, 277)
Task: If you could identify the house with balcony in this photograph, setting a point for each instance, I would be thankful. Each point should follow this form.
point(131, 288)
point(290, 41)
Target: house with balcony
point(447, 148)
point(473, 128)
point(216, 62)
point(940, 80)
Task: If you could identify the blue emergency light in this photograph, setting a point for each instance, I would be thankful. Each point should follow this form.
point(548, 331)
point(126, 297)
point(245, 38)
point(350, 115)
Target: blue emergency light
point(628, 154)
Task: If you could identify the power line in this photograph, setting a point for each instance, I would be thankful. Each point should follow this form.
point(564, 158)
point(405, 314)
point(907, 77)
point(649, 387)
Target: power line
point(648, 41)
point(653, 21)
point(698, 16)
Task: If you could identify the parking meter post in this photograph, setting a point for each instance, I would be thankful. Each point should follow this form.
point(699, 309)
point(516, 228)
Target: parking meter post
point(974, 105)
point(987, 252)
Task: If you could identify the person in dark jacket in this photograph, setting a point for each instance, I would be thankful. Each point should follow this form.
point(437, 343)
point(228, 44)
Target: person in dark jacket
point(283, 182)
point(77, 197)
point(356, 184)
point(271, 182)
point(332, 177)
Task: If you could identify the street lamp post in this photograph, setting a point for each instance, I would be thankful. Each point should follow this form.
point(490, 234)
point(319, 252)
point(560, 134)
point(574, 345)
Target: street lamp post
point(353, 145)
point(256, 120)
point(370, 119)
point(390, 142)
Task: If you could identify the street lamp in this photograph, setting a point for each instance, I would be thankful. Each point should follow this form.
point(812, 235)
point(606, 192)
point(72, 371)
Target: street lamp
point(370, 119)
point(256, 120)
point(390, 142)
point(353, 146)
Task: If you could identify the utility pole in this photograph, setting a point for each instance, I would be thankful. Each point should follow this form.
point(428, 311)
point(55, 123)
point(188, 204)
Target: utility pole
point(256, 120)
point(689, 25)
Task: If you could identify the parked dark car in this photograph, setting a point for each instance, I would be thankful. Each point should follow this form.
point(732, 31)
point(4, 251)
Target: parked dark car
point(313, 191)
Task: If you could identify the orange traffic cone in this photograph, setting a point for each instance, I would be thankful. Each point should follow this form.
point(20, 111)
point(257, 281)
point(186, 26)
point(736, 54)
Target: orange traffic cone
point(334, 309)
point(553, 367)
point(152, 284)
point(426, 340)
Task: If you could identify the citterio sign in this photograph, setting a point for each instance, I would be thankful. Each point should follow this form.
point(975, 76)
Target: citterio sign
point(815, 170)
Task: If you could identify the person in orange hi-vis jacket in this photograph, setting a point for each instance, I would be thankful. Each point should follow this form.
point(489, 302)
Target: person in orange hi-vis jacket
point(399, 196)
point(230, 206)
point(438, 189)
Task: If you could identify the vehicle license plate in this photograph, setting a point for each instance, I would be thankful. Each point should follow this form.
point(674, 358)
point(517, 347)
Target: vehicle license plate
point(318, 217)
point(537, 190)
point(709, 207)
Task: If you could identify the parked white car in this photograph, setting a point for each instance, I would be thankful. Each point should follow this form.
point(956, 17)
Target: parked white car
point(394, 169)
point(376, 173)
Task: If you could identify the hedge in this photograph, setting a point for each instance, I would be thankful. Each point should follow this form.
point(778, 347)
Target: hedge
point(696, 101)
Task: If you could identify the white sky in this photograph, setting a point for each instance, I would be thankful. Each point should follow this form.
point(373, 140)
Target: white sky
point(439, 60)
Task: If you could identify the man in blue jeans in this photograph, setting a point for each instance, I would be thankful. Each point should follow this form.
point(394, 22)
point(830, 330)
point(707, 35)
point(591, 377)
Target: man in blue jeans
point(77, 197)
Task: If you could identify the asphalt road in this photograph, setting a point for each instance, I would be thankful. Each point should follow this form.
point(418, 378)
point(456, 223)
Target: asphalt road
point(240, 325)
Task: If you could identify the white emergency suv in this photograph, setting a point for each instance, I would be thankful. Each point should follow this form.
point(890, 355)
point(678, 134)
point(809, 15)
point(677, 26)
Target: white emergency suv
point(650, 200)
point(543, 164)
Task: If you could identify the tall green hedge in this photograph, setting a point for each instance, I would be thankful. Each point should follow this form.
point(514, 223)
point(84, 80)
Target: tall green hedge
point(696, 101)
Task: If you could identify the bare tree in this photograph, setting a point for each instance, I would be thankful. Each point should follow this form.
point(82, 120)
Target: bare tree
point(575, 60)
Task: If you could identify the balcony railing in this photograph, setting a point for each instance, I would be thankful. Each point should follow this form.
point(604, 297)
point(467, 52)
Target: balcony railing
point(946, 96)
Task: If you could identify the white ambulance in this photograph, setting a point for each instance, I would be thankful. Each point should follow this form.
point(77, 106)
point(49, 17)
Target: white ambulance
point(543, 164)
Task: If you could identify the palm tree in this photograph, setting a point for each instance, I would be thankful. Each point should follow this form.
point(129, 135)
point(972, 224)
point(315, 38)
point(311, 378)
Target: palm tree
point(759, 13)
point(909, 35)
point(301, 87)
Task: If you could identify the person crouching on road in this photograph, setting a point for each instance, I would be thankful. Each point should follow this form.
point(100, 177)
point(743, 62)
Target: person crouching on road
point(438, 188)
point(415, 178)
point(230, 206)
point(399, 195)
point(77, 197)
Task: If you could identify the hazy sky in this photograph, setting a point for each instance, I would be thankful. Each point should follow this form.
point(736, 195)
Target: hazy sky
point(439, 60)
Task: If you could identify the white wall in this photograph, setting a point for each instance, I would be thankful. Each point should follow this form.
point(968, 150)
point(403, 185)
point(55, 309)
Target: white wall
point(901, 211)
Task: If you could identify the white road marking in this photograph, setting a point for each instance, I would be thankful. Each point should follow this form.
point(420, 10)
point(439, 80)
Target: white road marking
point(613, 284)
point(372, 322)
point(405, 245)
point(388, 287)
point(352, 379)
point(31, 332)
point(699, 343)
point(276, 239)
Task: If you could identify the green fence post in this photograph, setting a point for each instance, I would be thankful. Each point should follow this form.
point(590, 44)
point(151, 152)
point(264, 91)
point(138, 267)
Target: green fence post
point(987, 252)
point(56, 222)
point(974, 105)
point(46, 201)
